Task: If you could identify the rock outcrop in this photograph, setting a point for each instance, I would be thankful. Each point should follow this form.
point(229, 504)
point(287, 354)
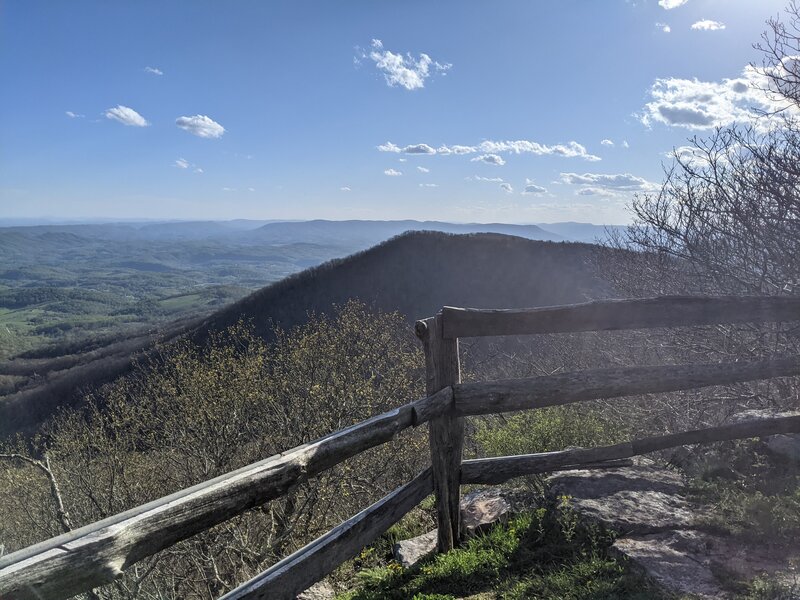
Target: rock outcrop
point(661, 531)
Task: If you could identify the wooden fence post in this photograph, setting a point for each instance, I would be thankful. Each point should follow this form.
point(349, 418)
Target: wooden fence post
point(446, 432)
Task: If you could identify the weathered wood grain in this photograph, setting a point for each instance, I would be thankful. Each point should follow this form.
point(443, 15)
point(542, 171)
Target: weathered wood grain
point(295, 573)
point(433, 406)
point(446, 432)
point(98, 553)
point(663, 311)
point(552, 390)
point(498, 470)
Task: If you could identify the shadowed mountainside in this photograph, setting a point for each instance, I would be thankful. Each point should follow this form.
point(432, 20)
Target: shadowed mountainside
point(419, 272)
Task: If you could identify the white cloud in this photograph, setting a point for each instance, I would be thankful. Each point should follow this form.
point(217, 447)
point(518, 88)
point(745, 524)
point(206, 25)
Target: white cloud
point(670, 4)
point(688, 155)
point(201, 126)
point(532, 188)
point(73, 115)
point(607, 142)
point(392, 173)
point(153, 71)
point(410, 149)
point(402, 160)
point(697, 105)
point(625, 144)
point(423, 170)
point(486, 179)
point(664, 27)
point(399, 70)
point(182, 163)
point(389, 147)
point(708, 25)
point(594, 191)
point(227, 189)
point(506, 187)
point(251, 189)
point(419, 149)
point(490, 159)
point(620, 181)
point(345, 188)
point(428, 185)
point(126, 116)
point(569, 150)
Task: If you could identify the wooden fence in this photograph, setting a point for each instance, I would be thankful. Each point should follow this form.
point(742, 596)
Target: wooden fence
point(98, 553)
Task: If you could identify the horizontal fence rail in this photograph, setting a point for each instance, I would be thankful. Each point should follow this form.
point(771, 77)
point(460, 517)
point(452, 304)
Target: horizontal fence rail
point(503, 468)
point(505, 395)
point(98, 553)
point(605, 315)
point(297, 572)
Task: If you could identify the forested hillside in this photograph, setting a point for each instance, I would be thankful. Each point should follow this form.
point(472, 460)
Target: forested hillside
point(415, 274)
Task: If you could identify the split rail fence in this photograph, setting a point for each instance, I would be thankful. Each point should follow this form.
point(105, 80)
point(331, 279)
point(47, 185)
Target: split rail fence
point(98, 553)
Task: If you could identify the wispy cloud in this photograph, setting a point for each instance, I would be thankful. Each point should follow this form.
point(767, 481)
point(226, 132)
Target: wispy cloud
point(569, 150)
point(423, 170)
point(506, 187)
point(490, 159)
point(153, 71)
point(664, 27)
point(345, 188)
point(609, 182)
point(607, 142)
point(531, 188)
point(401, 70)
point(201, 126)
point(392, 173)
point(708, 25)
point(73, 115)
point(670, 4)
point(429, 185)
point(182, 163)
point(126, 116)
point(486, 179)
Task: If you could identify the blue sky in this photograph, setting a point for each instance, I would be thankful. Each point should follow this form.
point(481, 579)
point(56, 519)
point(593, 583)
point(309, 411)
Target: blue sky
point(463, 111)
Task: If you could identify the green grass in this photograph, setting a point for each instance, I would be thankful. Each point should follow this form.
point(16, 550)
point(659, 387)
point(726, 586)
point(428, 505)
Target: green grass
point(542, 553)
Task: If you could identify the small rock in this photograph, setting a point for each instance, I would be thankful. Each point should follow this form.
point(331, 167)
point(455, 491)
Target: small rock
point(322, 590)
point(410, 552)
point(482, 509)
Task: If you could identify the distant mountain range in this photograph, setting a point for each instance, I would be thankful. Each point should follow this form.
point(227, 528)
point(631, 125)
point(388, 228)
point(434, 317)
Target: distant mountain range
point(350, 233)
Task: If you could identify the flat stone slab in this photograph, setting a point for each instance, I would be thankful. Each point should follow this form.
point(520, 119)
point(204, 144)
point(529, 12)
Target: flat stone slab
point(631, 500)
point(674, 568)
point(689, 562)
